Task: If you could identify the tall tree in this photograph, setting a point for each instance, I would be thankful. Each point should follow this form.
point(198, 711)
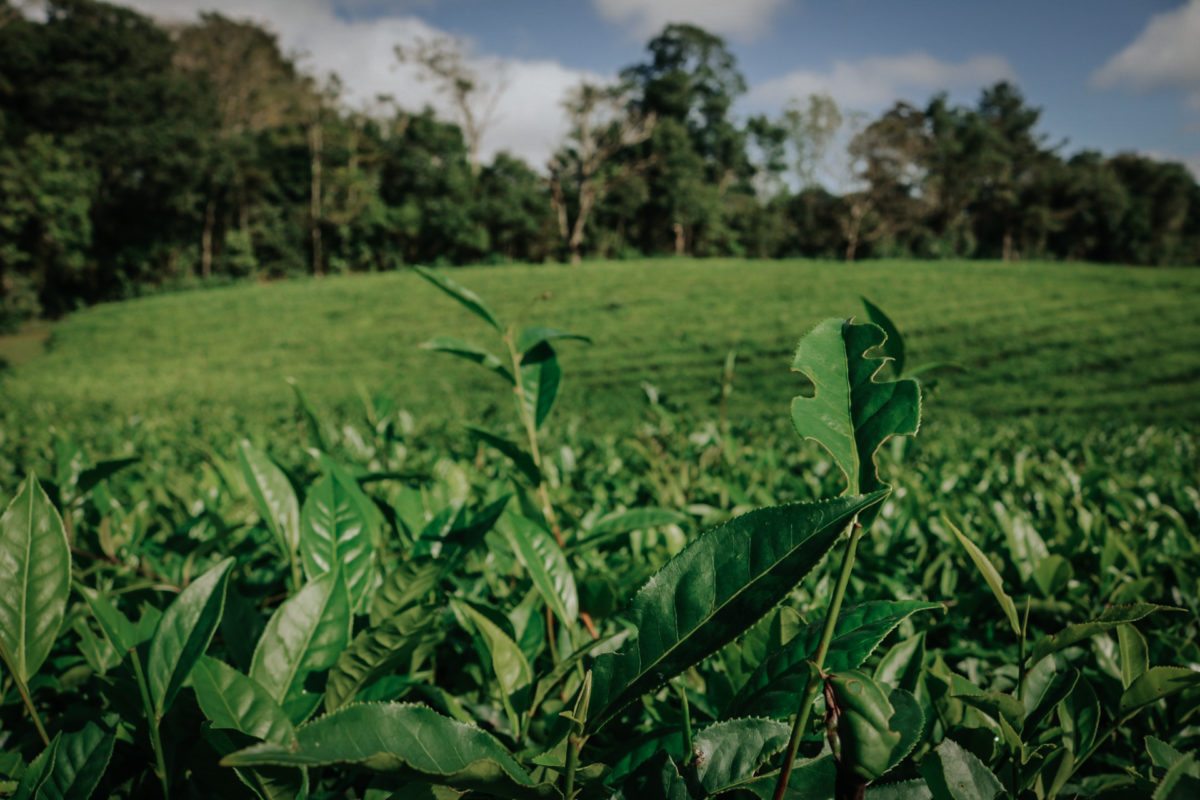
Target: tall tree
point(443, 61)
point(584, 169)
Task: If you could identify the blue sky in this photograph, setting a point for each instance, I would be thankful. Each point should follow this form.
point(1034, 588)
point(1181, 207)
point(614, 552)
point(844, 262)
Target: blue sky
point(1108, 75)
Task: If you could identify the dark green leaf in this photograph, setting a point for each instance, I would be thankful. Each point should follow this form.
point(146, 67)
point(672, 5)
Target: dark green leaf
point(990, 576)
point(89, 478)
point(1112, 617)
point(376, 652)
point(519, 457)
point(850, 414)
point(952, 773)
point(231, 700)
point(540, 376)
point(393, 737)
point(532, 337)
point(37, 774)
point(1155, 684)
point(183, 634)
point(729, 753)
point(775, 684)
point(463, 295)
point(1135, 657)
point(79, 762)
point(715, 589)
point(35, 571)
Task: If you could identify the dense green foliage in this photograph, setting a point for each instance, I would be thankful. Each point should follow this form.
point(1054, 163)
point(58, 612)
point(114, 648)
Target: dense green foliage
point(358, 606)
point(133, 157)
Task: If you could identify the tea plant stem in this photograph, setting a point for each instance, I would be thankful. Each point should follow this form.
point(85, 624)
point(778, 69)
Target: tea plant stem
point(152, 720)
point(27, 698)
point(530, 425)
point(810, 689)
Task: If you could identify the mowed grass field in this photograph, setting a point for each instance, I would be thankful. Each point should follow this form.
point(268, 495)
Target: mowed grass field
point(1087, 342)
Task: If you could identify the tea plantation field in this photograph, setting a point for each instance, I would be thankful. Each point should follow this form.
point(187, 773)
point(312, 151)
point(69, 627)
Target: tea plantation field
point(390, 581)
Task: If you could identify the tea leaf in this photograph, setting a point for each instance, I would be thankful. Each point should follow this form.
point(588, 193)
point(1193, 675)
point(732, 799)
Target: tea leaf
point(183, 634)
point(952, 773)
point(990, 576)
point(543, 559)
point(37, 774)
point(1155, 684)
point(532, 337)
point(1112, 617)
point(334, 536)
point(271, 490)
point(850, 414)
point(306, 634)
point(232, 700)
point(376, 652)
point(35, 571)
point(521, 459)
point(469, 299)
point(391, 737)
point(79, 761)
point(728, 753)
point(718, 586)
point(471, 352)
point(1135, 657)
point(893, 346)
point(773, 686)
point(540, 376)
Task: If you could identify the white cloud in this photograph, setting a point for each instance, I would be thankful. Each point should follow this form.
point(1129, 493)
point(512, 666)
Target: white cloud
point(742, 19)
point(1165, 54)
point(874, 82)
point(528, 120)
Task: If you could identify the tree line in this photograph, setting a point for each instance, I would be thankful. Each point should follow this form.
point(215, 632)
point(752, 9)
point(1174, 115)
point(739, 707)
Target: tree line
point(135, 155)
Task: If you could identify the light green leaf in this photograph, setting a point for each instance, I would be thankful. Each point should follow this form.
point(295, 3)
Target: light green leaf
point(273, 493)
point(393, 737)
point(850, 414)
point(409, 583)
point(860, 714)
point(729, 753)
point(990, 576)
point(1182, 781)
point(183, 634)
point(471, 352)
point(306, 634)
point(893, 347)
point(543, 559)
point(952, 773)
point(120, 632)
point(1155, 684)
point(232, 700)
point(780, 678)
point(378, 651)
point(1112, 617)
point(79, 763)
point(37, 774)
point(1135, 656)
point(334, 535)
point(35, 571)
point(508, 662)
point(716, 588)
point(462, 294)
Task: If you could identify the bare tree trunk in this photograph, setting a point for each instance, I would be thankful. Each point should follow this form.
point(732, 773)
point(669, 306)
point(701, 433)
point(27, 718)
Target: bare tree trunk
point(680, 242)
point(206, 238)
point(314, 144)
point(1008, 248)
point(587, 195)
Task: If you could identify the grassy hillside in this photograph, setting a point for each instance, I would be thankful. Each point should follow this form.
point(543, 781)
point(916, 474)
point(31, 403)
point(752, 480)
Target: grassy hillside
point(1086, 341)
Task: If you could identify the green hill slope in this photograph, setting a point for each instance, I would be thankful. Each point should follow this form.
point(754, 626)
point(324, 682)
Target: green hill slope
point(1096, 342)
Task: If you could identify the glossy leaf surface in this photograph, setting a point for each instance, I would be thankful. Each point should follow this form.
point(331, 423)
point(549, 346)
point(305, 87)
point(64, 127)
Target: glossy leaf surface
point(471, 352)
point(469, 299)
point(850, 414)
point(232, 700)
point(35, 571)
point(394, 737)
point(546, 564)
point(334, 535)
point(183, 634)
point(273, 493)
point(729, 753)
point(306, 634)
point(716, 588)
point(375, 652)
point(80, 759)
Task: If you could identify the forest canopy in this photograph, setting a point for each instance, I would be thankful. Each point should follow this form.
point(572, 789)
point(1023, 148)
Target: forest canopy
point(135, 156)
